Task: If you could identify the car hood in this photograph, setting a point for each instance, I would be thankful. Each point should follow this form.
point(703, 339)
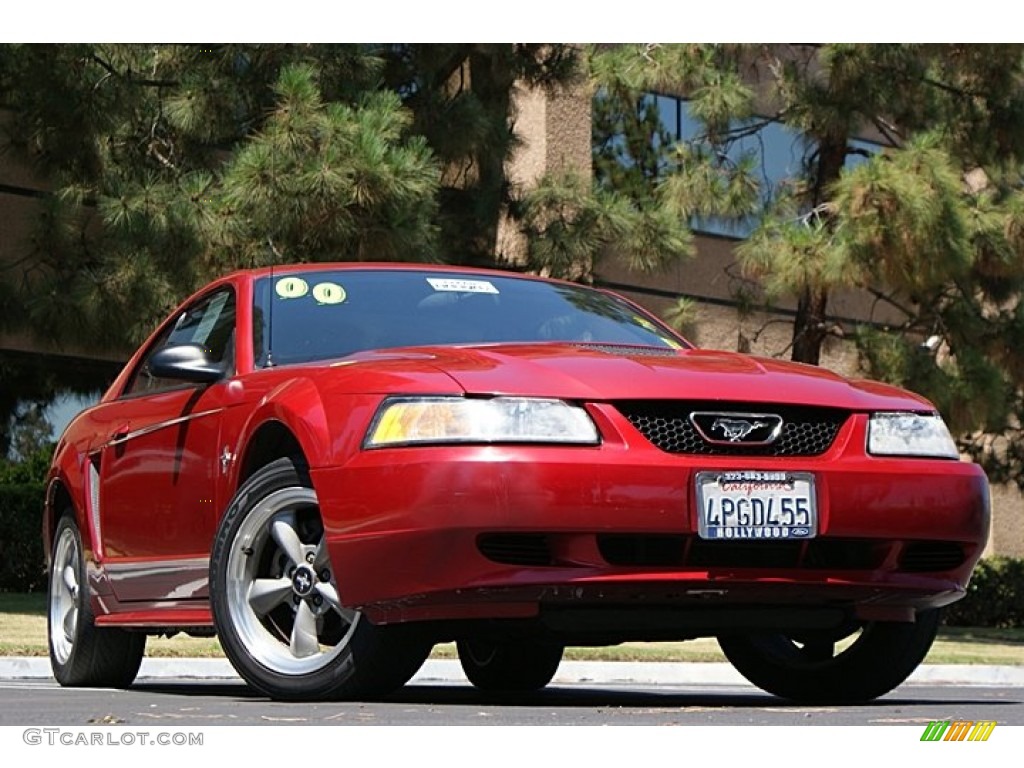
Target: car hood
point(604, 372)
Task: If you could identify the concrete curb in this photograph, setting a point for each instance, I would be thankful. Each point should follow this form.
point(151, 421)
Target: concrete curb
point(570, 672)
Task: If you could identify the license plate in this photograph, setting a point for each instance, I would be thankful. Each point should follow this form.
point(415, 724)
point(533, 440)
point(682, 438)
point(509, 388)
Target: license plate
point(752, 504)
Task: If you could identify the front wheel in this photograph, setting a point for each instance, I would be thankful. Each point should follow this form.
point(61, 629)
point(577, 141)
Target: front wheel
point(82, 654)
point(519, 666)
point(856, 664)
point(276, 603)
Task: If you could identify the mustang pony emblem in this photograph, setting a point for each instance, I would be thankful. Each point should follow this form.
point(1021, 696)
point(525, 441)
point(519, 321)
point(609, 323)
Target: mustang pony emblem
point(748, 429)
point(736, 429)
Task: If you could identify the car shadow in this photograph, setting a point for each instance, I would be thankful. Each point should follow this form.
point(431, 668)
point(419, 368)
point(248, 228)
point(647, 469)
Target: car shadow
point(568, 696)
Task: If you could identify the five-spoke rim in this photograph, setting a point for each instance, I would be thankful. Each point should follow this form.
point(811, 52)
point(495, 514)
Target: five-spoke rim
point(282, 596)
point(64, 595)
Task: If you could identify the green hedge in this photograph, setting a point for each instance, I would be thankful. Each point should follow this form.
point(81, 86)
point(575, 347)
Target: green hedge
point(995, 596)
point(22, 566)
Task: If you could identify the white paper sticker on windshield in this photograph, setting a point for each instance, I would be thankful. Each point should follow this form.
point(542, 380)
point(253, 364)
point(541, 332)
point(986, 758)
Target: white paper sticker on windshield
point(461, 286)
point(291, 287)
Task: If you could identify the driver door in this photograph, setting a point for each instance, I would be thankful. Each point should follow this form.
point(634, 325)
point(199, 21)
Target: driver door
point(159, 471)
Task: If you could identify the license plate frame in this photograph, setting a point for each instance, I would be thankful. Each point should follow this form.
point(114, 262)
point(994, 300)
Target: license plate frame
point(756, 505)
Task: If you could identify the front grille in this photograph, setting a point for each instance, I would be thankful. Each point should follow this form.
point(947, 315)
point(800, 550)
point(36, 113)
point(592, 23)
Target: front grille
point(927, 556)
point(673, 550)
point(642, 549)
point(846, 554)
point(516, 548)
point(745, 554)
point(806, 431)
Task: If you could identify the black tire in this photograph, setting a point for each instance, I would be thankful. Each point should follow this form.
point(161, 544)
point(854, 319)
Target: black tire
point(511, 667)
point(82, 654)
point(287, 646)
point(804, 667)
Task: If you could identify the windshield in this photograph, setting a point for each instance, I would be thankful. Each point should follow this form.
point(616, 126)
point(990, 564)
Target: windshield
point(322, 315)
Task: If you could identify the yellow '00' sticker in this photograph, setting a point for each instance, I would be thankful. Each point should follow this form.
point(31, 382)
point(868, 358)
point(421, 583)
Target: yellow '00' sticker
point(291, 287)
point(328, 293)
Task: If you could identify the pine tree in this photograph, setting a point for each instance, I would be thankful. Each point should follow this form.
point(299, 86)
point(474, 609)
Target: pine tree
point(173, 163)
point(462, 98)
point(931, 223)
point(571, 224)
point(631, 146)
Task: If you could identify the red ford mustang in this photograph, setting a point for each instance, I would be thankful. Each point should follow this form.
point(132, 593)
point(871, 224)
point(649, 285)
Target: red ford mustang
point(333, 467)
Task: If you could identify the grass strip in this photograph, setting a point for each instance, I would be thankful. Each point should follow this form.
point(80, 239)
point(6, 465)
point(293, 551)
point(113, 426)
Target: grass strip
point(23, 633)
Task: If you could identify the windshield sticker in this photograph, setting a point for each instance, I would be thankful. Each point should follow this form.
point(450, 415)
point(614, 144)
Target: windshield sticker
point(461, 286)
point(291, 287)
point(329, 293)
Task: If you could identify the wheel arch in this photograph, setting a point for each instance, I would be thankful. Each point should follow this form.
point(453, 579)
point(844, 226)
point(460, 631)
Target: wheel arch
point(290, 422)
point(270, 441)
point(64, 490)
point(58, 498)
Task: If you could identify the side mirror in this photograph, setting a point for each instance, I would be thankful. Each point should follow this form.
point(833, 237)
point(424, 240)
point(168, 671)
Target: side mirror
point(186, 362)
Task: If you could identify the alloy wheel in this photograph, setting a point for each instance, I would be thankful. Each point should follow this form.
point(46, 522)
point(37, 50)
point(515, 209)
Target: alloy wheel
point(283, 598)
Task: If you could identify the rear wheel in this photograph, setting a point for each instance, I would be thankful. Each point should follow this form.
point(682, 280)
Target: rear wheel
point(855, 664)
point(276, 603)
point(82, 654)
point(522, 666)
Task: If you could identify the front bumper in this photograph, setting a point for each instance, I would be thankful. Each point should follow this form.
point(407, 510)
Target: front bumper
point(503, 532)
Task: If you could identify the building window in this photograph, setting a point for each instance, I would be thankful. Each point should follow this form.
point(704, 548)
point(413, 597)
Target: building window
point(778, 152)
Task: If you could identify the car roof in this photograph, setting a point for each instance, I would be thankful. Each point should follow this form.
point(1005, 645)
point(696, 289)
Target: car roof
point(384, 266)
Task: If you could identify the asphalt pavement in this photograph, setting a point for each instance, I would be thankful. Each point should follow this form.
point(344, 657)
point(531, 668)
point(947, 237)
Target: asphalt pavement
point(448, 671)
point(179, 693)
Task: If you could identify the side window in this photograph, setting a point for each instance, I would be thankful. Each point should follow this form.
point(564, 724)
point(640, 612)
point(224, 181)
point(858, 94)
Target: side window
point(210, 322)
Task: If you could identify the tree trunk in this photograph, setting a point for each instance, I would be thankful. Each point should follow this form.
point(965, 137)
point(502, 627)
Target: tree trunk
point(809, 327)
point(492, 79)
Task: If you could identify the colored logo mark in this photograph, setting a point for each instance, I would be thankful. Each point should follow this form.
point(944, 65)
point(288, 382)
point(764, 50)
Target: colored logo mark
point(958, 730)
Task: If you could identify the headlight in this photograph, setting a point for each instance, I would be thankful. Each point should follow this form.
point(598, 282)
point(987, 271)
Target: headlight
point(910, 434)
point(405, 421)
